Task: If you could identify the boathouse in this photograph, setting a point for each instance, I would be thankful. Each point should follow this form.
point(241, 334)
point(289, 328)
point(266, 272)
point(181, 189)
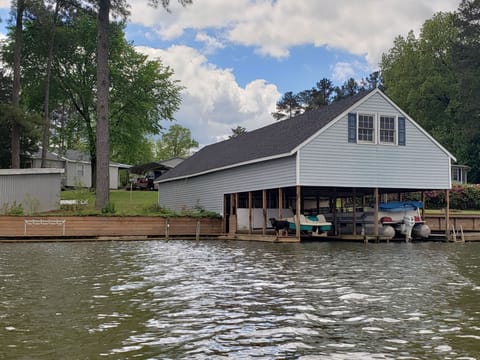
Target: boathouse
point(362, 146)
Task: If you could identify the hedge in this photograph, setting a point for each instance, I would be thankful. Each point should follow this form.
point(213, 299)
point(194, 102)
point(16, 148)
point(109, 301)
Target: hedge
point(462, 197)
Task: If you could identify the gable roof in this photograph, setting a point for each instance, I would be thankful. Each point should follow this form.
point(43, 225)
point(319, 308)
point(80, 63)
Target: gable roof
point(276, 140)
point(271, 141)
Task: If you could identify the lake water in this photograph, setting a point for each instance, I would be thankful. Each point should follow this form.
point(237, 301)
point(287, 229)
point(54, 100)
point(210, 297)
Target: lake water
point(239, 300)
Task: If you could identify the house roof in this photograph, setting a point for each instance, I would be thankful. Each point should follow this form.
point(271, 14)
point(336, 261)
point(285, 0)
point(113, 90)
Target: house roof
point(274, 140)
point(73, 156)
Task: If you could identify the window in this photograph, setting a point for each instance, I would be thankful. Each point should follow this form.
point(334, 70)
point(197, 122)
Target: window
point(366, 128)
point(387, 129)
point(377, 129)
point(80, 170)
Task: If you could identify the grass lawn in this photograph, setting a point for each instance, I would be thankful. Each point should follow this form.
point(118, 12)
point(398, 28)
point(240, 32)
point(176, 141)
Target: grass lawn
point(123, 201)
point(454, 211)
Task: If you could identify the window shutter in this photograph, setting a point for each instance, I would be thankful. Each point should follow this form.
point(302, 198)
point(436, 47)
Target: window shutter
point(401, 131)
point(352, 127)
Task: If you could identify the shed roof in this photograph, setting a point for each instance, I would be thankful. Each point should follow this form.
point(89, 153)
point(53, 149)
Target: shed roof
point(273, 140)
point(74, 156)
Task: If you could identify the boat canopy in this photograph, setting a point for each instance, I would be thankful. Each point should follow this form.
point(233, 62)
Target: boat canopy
point(400, 205)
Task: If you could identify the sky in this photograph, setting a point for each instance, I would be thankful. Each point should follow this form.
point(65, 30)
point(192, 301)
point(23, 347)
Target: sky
point(235, 59)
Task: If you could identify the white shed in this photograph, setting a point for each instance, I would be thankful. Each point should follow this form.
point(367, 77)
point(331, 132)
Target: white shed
point(35, 190)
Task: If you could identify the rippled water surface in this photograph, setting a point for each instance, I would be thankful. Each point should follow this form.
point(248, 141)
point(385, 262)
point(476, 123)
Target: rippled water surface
point(239, 300)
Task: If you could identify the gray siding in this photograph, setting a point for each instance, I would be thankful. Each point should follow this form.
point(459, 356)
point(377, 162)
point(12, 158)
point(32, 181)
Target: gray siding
point(330, 160)
point(208, 190)
point(74, 178)
point(35, 191)
point(113, 177)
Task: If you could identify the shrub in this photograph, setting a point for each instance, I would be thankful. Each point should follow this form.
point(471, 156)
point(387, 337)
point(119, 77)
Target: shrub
point(462, 197)
point(109, 208)
point(14, 209)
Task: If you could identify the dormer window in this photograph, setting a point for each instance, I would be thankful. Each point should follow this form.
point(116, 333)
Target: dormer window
point(387, 130)
point(376, 129)
point(366, 128)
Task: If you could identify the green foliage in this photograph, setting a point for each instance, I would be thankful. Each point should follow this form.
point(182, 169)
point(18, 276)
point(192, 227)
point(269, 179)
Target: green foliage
point(126, 203)
point(177, 142)
point(462, 197)
point(323, 94)
point(193, 213)
point(30, 123)
point(239, 130)
point(13, 209)
point(32, 205)
point(142, 93)
point(435, 78)
point(288, 106)
point(109, 208)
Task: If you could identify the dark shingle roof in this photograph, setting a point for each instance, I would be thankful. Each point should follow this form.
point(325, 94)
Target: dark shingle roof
point(278, 138)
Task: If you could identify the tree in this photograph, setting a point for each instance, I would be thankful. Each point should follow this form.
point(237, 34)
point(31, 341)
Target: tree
point(467, 66)
point(349, 88)
point(102, 140)
point(239, 130)
point(102, 182)
point(177, 142)
point(16, 129)
point(288, 106)
point(373, 81)
point(141, 93)
point(435, 78)
point(418, 75)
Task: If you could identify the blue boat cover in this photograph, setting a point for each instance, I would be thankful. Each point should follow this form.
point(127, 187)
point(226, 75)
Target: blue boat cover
point(400, 205)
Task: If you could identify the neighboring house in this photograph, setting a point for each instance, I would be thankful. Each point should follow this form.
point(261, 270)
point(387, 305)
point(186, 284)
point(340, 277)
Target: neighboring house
point(459, 174)
point(362, 145)
point(78, 169)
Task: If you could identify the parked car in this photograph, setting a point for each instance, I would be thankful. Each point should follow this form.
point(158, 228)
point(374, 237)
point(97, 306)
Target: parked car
point(142, 183)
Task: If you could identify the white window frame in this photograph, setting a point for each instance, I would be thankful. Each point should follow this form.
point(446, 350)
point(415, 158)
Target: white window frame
point(374, 135)
point(395, 125)
point(376, 129)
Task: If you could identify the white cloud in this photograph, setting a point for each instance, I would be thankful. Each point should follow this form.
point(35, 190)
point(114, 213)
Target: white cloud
point(211, 44)
point(342, 71)
point(213, 102)
point(5, 4)
point(366, 28)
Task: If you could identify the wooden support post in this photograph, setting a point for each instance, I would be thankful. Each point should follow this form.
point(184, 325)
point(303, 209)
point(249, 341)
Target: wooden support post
point(264, 211)
point(197, 231)
point(447, 214)
point(280, 203)
point(298, 211)
point(250, 215)
point(354, 211)
point(236, 212)
point(167, 228)
point(225, 213)
point(334, 211)
point(375, 216)
point(424, 198)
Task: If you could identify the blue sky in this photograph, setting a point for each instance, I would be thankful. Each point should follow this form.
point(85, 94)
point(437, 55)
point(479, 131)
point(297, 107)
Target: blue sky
point(236, 58)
